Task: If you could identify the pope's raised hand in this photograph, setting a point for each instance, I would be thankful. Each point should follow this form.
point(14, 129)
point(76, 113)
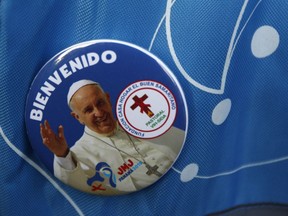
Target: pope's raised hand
point(56, 143)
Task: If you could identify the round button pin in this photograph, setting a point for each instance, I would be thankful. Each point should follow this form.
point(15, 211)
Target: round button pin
point(106, 117)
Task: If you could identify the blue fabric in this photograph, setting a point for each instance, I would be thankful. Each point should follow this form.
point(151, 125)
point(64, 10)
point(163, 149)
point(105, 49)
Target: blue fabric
point(230, 58)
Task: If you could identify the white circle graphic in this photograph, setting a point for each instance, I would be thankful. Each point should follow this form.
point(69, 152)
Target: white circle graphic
point(189, 172)
point(146, 109)
point(265, 41)
point(136, 120)
point(221, 111)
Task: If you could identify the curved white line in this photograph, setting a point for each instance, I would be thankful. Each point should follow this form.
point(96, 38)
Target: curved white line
point(230, 49)
point(41, 171)
point(176, 170)
point(175, 58)
point(157, 29)
point(244, 167)
point(244, 26)
point(228, 56)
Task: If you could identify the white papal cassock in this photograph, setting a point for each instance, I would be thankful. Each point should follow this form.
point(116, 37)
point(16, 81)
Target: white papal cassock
point(110, 153)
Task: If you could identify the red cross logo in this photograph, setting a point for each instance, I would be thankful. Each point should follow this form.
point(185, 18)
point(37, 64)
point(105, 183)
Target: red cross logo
point(99, 187)
point(143, 107)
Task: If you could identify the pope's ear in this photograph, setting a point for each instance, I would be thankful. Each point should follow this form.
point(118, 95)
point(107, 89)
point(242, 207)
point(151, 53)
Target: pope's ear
point(74, 114)
point(108, 97)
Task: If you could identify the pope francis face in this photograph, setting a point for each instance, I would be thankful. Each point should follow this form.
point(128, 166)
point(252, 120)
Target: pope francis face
point(92, 107)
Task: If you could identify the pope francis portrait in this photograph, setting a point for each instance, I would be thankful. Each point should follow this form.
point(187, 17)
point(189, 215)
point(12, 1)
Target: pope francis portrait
point(106, 160)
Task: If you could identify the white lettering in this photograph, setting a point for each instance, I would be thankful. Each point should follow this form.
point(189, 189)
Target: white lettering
point(40, 106)
point(75, 65)
point(41, 99)
point(108, 56)
point(47, 88)
point(84, 61)
point(36, 115)
point(56, 79)
point(64, 71)
point(93, 58)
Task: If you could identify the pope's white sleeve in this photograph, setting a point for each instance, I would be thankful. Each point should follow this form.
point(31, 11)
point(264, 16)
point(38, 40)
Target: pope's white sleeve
point(66, 162)
point(74, 177)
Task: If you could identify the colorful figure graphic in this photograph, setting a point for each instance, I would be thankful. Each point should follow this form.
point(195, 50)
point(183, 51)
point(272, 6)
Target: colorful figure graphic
point(103, 172)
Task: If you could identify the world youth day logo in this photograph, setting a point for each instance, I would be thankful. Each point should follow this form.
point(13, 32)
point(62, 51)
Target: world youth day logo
point(146, 109)
point(103, 173)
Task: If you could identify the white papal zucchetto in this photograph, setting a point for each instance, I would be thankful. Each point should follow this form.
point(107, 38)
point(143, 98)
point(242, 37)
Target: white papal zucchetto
point(76, 86)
